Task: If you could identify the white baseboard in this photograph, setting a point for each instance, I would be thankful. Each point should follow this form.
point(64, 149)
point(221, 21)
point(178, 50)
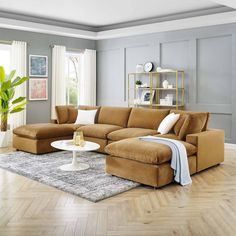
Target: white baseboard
point(230, 145)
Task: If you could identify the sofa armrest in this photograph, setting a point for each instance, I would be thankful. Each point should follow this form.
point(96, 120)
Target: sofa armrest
point(210, 147)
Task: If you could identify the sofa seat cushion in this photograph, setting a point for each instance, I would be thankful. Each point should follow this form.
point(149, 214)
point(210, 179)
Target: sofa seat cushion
point(169, 135)
point(73, 126)
point(130, 133)
point(98, 130)
point(145, 152)
point(45, 131)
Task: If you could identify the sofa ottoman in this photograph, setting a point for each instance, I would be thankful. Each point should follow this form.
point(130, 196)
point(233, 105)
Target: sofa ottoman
point(145, 162)
point(37, 138)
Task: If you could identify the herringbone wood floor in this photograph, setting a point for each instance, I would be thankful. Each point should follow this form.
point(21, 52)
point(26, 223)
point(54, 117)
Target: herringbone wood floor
point(208, 207)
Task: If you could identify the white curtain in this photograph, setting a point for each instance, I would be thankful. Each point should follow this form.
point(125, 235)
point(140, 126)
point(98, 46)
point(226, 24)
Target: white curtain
point(87, 84)
point(58, 78)
point(18, 63)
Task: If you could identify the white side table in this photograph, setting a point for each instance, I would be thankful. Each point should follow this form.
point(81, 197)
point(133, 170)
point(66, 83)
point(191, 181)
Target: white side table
point(68, 145)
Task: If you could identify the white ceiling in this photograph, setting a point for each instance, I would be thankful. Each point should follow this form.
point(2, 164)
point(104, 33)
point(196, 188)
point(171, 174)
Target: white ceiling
point(102, 12)
point(228, 3)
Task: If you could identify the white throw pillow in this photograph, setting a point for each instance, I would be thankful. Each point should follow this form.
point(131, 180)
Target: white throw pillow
point(86, 117)
point(167, 123)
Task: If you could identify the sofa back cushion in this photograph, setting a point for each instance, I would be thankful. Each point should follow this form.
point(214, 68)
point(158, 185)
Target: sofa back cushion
point(181, 127)
point(114, 116)
point(62, 113)
point(73, 113)
point(198, 121)
point(146, 118)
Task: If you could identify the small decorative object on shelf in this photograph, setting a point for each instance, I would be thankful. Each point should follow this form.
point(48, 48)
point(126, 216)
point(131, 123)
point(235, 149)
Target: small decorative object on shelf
point(158, 68)
point(165, 84)
point(78, 138)
point(148, 66)
point(138, 83)
point(168, 100)
point(147, 97)
point(164, 88)
point(139, 68)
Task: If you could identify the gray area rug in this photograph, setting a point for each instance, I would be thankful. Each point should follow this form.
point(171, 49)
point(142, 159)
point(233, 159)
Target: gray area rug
point(92, 184)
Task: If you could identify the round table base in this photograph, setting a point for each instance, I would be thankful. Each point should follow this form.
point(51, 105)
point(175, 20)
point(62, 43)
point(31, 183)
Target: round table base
point(74, 167)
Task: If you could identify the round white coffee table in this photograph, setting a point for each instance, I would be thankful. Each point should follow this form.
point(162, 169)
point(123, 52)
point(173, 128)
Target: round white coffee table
point(68, 145)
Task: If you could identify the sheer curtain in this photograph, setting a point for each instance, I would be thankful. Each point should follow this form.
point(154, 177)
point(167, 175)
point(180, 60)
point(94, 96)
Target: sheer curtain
point(58, 78)
point(87, 84)
point(18, 63)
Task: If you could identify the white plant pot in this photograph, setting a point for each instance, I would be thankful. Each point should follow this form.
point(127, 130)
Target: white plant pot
point(4, 138)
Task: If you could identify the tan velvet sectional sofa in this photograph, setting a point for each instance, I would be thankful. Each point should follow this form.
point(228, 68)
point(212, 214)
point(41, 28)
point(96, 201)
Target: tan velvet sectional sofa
point(117, 129)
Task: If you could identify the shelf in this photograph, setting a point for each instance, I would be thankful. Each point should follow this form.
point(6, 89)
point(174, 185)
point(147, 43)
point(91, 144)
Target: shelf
point(148, 88)
point(156, 105)
point(159, 105)
point(159, 72)
point(154, 89)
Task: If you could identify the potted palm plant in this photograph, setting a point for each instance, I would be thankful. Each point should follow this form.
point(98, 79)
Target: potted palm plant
point(8, 103)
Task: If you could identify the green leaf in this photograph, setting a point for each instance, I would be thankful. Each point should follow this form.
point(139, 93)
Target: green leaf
point(6, 85)
point(16, 79)
point(3, 96)
point(11, 75)
point(11, 93)
point(16, 110)
point(2, 74)
point(20, 105)
point(19, 81)
point(20, 99)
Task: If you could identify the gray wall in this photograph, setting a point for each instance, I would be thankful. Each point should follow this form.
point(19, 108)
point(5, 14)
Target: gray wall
point(39, 111)
point(208, 55)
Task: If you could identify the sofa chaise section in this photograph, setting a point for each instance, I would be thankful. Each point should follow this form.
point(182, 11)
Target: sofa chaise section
point(149, 163)
point(144, 162)
point(36, 138)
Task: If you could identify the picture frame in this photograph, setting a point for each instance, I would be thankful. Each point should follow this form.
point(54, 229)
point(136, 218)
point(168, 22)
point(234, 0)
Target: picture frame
point(38, 66)
point(147, 96)
point(38, 89)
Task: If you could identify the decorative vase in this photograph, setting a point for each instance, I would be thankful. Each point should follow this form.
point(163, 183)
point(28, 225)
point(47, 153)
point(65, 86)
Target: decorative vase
point(78, 138)
point(165, 84)
point(139, 68)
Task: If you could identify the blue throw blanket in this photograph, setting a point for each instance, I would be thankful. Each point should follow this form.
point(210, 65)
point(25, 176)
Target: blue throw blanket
point(179, 160)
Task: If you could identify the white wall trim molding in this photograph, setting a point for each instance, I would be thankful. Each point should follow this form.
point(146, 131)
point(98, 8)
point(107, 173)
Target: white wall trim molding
point(46, 29)
point(230, 146)
point(187, 23)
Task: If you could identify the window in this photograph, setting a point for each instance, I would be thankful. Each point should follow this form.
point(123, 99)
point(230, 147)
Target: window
point(5, 53)
point(72, 78)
